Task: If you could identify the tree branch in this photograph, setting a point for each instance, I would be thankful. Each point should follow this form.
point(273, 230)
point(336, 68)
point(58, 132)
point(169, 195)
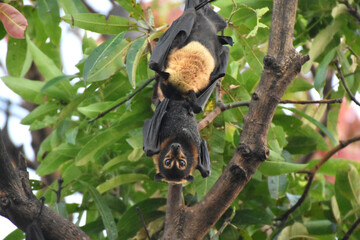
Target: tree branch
point(352, 10)
point(351, 229)
point(20, 206)
point(221, 107)
point(336, 62)
point(312, 173)
point(282, 64)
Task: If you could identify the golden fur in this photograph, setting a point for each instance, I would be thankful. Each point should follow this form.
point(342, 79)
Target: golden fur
point(190, 67)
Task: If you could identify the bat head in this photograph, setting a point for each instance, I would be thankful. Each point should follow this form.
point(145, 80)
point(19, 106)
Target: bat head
point(175, 163)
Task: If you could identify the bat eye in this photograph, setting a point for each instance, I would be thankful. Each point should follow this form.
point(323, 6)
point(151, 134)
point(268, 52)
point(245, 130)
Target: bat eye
point(181, 164)
point(167, 162)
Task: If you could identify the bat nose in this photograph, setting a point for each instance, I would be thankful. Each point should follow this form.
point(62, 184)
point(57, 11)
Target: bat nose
point(175, 147)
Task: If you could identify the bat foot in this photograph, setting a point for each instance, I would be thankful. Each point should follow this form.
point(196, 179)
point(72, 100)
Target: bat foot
point(191, 99)
point(196, 108)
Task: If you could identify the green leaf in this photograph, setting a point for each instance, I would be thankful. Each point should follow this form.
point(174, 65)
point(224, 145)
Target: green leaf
point(270, 168)
point(17, 62)
point(71, 135)
point(277, 186)
point(40, 112)
point(133, 57)
point(248, 217)
point(129, 224)
point(50, 17)
point(335, 210)
point(134, 9)
point(115, 161)
point(316, 123)
point(97, 23)
point(46, 65)
point(276, 138)
point(56, 157)
point(295, 231)
point(120, 180)
point(101, 141)
point(104, 211)
point(105, 60)
point(66, 111)
point(354, 181)
point(73, 6)
point(332, 165)
point(343, 190)
point(56, 81)
point(320, 227)
point(322, 39)
point(299, 85)
point(93, 110)
point(27, 89)
point(322, 70)
point(15, 235)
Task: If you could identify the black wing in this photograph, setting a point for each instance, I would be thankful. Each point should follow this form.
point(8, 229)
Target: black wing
point(33, 231)
point(151, 129)
point(202, 99)
point(204, 165)
point(174, 37)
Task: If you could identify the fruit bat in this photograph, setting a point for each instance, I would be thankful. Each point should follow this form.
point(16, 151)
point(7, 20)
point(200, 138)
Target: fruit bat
point(172, 138)
point(190, 56)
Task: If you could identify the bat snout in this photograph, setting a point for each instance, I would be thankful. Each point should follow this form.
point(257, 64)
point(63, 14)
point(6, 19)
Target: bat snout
point(175, 148)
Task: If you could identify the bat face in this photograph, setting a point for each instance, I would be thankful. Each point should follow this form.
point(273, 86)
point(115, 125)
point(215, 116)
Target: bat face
point(175, 163)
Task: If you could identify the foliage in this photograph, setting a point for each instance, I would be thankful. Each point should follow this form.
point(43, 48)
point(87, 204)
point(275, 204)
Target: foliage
point(104, 160)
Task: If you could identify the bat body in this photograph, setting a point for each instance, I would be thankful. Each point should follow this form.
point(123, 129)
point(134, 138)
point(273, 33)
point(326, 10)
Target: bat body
point(190, 56)
point(172, 138)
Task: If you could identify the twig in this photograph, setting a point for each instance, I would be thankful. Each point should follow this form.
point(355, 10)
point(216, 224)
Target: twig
point(58, 191)
point(124, 101)
point(143, 222)
point(325, 101)
point(352, 10)
point(352, 228)
point(221, 107)
point(225, 224)
point(285, 216)
point(336, 62)
point(312, 173)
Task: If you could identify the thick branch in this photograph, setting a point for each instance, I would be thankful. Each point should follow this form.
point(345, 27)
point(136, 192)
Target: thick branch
point(282, 64)
point(19, 205)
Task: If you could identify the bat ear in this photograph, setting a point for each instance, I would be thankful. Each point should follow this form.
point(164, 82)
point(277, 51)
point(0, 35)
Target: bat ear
point(158, 177)
point(164, 75)
point(189, 178)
